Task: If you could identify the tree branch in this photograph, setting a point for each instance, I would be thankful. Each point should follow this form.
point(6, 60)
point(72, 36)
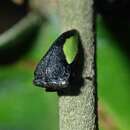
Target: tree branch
point(78, 112)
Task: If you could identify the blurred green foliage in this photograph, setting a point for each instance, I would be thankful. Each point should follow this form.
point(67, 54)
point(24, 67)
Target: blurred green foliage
point(113, 73)
point(26, 107)
point(22, 105)
point(70, 48)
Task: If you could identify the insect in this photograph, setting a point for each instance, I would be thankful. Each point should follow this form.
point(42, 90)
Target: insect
point(53, 71)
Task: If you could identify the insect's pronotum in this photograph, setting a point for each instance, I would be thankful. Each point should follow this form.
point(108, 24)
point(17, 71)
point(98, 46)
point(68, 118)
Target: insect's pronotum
point(53, 71)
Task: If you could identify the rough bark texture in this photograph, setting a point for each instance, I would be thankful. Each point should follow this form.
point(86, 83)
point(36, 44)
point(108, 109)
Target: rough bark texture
point(78, 112)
